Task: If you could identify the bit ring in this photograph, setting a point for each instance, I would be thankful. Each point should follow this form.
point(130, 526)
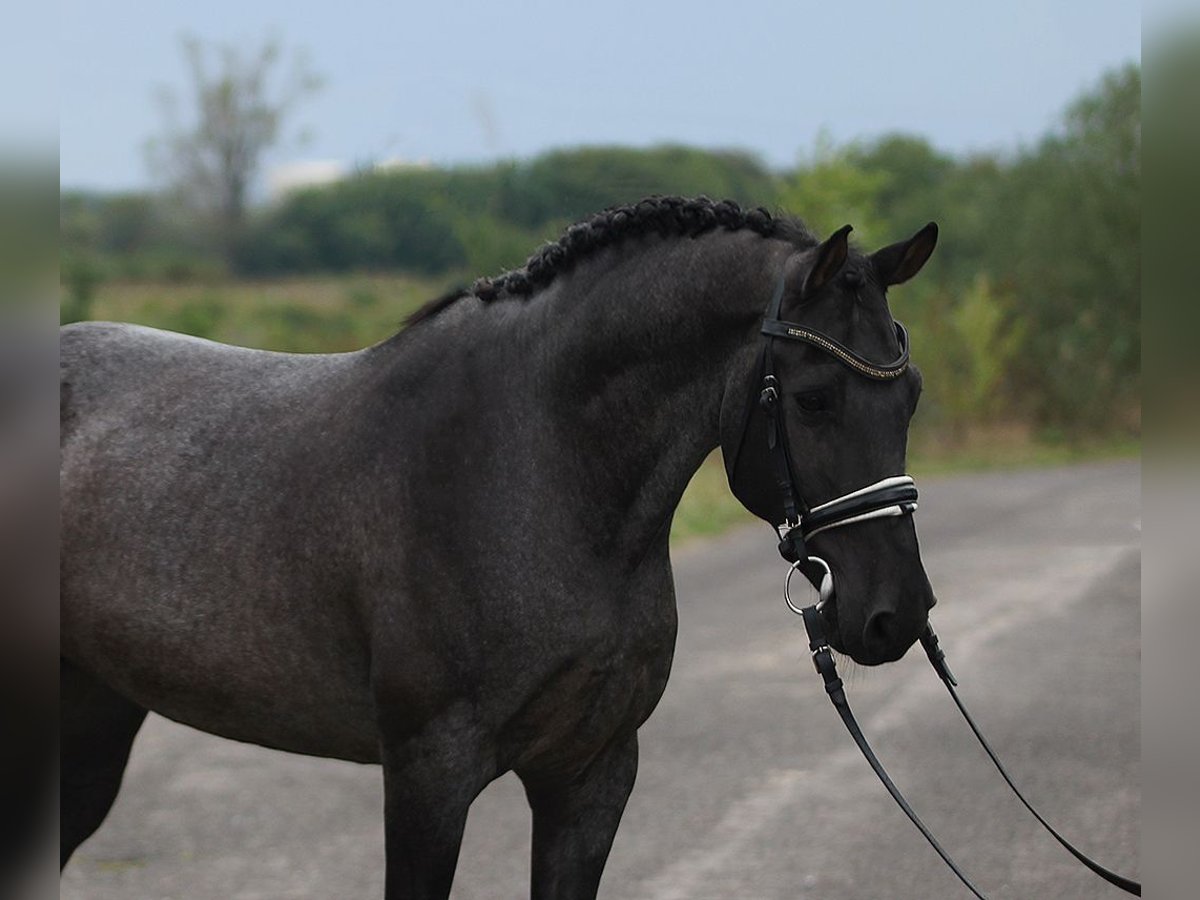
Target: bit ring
point(825, 592)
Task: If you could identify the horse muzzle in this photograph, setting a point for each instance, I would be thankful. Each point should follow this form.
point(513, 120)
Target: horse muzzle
point(868, 613)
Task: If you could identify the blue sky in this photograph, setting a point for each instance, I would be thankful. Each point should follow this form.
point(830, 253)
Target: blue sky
point(474, 80)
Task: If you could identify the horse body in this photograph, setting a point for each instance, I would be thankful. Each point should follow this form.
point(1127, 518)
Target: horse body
point(446, 553)
point(203, 573)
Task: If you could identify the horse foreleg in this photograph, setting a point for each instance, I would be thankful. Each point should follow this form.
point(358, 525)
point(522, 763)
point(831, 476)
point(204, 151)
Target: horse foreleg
point(575, 820)
point(429, 783)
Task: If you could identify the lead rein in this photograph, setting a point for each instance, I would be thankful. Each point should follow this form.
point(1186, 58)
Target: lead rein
point(822, 657)
point(929, 641)
point(826, 667)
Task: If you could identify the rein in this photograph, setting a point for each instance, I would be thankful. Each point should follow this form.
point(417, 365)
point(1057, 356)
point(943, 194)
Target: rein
point(823, 660)
point(892, 496)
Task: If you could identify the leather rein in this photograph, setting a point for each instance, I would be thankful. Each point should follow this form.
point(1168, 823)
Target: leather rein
point(893, 496)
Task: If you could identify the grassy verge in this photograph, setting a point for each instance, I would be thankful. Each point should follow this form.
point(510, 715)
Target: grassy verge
point(306, 315)
point(707, 507)
point(975, 457)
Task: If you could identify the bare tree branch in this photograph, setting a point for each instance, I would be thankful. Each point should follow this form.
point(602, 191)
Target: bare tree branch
point(238, 103)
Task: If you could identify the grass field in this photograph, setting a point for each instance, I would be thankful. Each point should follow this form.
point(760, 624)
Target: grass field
point(335, 313)
point(303, 315)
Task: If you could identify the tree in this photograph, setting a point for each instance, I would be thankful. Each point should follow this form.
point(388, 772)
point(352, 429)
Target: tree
point(832, 188)
point(239, 102)
point(1069, 244)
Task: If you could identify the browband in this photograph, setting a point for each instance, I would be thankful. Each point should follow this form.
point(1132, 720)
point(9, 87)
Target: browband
point(775, 327)
point(789, 330)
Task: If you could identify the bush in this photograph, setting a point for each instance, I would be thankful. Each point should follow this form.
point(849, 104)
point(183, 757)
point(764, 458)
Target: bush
point(80, 276)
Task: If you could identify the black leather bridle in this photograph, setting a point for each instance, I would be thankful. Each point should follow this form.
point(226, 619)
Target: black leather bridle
point(782, 504)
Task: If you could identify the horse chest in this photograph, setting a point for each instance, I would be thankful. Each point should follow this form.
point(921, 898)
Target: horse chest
point(597, 688)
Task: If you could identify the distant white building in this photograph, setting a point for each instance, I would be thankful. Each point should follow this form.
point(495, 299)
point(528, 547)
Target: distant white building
point(394, 163)
point(286, 178)
point(289, 177)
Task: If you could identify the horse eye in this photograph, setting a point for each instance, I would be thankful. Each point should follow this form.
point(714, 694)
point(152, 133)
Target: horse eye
point(814, 401)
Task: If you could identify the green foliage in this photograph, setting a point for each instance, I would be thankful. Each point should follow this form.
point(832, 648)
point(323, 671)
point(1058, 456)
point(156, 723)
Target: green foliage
point(707, 507)
point(1068, 244)
point(306, 330)
point(131, 236)
point(909, 172)
point(370, 222)
point(566, 185)
point(966, 346)
point(201, 318)
point(361, 298)
point(491, 246)
point(478, 219)
point(313, 314)
point(1028, 313)
point(989, 344)
point(80, 276)
point(834, 188)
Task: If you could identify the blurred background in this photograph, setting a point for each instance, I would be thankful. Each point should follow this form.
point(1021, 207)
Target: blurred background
point(299, 177)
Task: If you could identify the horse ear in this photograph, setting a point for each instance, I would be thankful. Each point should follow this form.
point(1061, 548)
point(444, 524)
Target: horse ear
point(899, 262)
point(831, 256)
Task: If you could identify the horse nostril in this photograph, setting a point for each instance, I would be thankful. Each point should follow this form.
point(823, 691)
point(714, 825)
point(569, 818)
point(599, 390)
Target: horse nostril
point(880, 633)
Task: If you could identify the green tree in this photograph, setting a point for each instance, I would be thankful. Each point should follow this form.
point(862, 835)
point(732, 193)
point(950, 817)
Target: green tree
point(1067, 239)
point(912, 176)
point(832, 188)
point(564, 185)
point(982, 343)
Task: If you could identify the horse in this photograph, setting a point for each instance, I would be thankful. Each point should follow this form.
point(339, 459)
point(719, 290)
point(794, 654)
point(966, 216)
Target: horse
point(447, 553)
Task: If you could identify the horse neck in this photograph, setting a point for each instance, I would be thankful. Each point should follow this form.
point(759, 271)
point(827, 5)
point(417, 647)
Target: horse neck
point(640, 350)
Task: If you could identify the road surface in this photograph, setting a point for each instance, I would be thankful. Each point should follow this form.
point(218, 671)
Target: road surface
point(748, 786)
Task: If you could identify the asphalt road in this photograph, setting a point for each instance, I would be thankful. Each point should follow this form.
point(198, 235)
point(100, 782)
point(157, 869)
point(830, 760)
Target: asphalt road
point(749, 787)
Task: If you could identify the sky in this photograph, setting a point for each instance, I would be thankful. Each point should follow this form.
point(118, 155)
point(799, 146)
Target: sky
point(472, 81)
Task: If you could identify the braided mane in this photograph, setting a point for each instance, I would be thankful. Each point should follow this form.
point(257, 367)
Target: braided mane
point(662, 215)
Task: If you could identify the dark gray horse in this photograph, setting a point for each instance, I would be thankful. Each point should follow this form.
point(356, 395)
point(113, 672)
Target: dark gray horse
point(448, 553)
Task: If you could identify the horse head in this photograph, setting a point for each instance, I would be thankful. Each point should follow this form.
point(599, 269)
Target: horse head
point(823, 412)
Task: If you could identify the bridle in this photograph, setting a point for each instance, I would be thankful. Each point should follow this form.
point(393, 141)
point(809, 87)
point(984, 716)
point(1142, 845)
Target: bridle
point(783, 506)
